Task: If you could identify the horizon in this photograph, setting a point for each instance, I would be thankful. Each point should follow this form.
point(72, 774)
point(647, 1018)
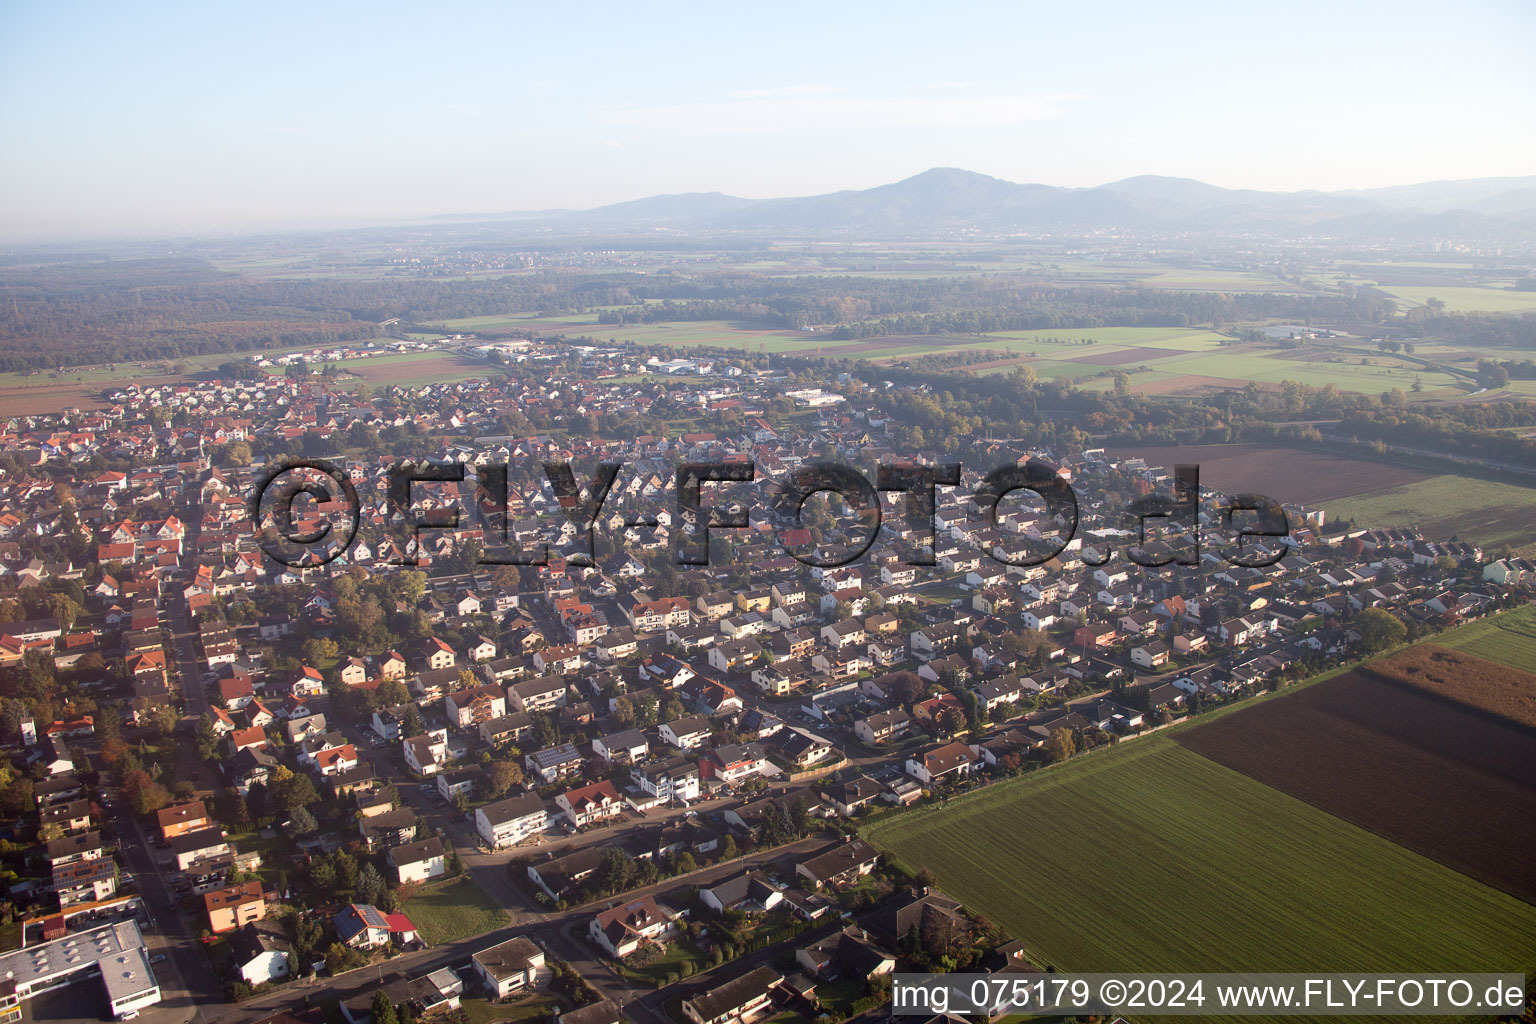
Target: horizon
point(386, 221)
point(161, 126)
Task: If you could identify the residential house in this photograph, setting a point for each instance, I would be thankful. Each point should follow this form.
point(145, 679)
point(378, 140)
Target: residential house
point(361, 926)
point(418, 861)
point(508, 822)
point(588, 805)
point(739, 1001)
point(259, 953)
point(509, 967)
point(840, 864)
point(625, 928)
point(686, 733)
point(234, 907)
point(942, 763)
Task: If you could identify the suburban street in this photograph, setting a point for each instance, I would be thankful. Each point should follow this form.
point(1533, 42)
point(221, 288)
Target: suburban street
point(548, 929)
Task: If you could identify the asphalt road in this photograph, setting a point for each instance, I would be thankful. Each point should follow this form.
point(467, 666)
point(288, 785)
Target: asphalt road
point(194, 994)
point(550, 930)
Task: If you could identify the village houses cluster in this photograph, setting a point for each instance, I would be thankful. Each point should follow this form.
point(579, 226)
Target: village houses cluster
point(621, 690)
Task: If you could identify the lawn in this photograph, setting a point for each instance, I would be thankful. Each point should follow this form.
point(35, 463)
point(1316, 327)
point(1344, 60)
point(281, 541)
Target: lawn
point(1509, 637)
point(671, 962)
point(447, 911)
point(1482, 511)
point(540, 1007)
point(1149, 857)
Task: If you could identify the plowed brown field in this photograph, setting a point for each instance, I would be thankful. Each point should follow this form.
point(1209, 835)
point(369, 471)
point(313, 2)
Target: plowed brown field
point(1285, 474)
point(1453, 783)
point(1464, 678)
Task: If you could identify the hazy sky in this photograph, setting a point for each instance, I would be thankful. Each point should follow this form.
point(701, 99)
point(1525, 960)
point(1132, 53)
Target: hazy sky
point(161, 119)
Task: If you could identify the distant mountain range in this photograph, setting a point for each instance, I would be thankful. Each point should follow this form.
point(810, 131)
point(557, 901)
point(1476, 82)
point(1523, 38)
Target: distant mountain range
point(947, 200)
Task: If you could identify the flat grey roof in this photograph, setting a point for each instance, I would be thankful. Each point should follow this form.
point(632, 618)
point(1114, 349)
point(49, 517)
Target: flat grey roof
point(117, 949)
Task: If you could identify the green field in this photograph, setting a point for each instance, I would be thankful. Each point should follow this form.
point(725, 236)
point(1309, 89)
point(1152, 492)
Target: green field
point(1509, 637)
point(446, 911)
point(1482, 511)
point(1467, 299)
point(1110, 339)
point(734, 335)
point(1062, 354)
point(1347, 373)
point(1138, 378)
point(1148, 857)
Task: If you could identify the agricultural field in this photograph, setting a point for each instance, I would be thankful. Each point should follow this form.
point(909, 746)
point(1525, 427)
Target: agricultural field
point(80, 386)
point(1188, 361)
point(51, 398)
point(1464, 679)
point(1148, 856)
point(1285, 474)
point(1317, 371)
point(1453, 784)
point(417, 368)
point(1509, 637)
point(1162, 275)
point(1485, 512)
point(1202, 279)
point(1465, 299)
point(1183, 339)
point(726, 334)
point(1159, 360)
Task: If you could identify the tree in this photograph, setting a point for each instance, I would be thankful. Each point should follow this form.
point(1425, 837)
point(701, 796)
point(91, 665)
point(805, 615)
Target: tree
point(163, 719)
point(66, 610)
point(411, 586)
point(207, 741)
point(370, 884)
point(391, 693)
point(1379, 630)
point(302, 822)
point(905, 687)
point(143, 793)
point(1060, 746)
point(291, 791)
point(339, 958)
point(318, 649)
point(17, 798)
point(502, 776)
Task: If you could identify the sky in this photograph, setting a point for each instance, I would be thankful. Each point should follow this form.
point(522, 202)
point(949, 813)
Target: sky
point(161, 119)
